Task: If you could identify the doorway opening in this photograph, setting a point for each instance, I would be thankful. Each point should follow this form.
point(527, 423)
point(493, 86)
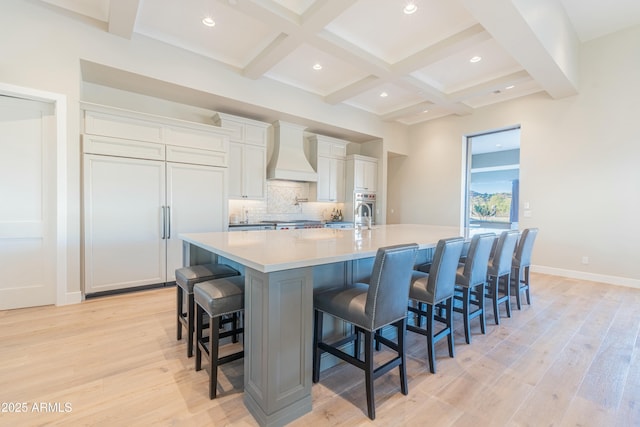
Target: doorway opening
point(492, 180)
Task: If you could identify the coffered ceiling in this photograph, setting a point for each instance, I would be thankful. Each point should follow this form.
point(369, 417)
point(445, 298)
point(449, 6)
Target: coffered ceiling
point(367, 49)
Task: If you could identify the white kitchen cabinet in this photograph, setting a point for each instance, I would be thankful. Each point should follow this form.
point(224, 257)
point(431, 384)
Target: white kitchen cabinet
point(247, 156)
point(247, 171)
point(138, 196)
point(362, 173)
point(328, 159)
point(196, 202)
point(134, 210)
point(124, 225)
point(100, 120)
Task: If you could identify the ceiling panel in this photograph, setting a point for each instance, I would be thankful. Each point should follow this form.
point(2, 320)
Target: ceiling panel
point(382, 29)
point(397, 98)
point(96, 9)
point(179, 23)
point(502, 94)
point(297, 70)
point(457, 72)
point(597, 18)
point(296, 6)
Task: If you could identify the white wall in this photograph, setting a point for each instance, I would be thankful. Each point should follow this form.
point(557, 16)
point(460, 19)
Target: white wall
point(578, 166)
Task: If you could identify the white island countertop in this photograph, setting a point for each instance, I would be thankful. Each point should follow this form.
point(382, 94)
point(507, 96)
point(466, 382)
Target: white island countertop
point(275, 250)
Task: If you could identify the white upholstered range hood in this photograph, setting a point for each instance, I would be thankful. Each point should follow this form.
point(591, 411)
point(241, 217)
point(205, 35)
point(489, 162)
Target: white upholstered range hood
point(288, 161)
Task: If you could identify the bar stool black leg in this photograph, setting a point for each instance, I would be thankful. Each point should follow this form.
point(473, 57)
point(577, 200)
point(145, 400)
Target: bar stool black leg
point(179, 302)
point(317, 336)
point(368, 372)
point(199, 313)
point(214, 338)
point(401, 326)
point(235, 327)
point(190, 324)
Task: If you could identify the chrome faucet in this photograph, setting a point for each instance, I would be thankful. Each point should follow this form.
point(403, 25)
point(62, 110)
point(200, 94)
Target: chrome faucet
point(368, 217)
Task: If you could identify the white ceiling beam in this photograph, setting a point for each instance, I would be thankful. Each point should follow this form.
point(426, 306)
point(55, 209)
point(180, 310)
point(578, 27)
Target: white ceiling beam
point(394, 73)
point(491, 86)
point(322, 13)
point(122, 17)
point(427, 91)
point(311, 31)
point(269, 12)
point(537, 35)
point(296, 30)
point(350, 53)
point(406, 111)
point(352, 90)
point(442, 49)
point(459, 109)
point(277, 50)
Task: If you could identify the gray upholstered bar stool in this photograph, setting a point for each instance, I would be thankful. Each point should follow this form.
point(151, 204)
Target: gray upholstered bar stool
point(186, 278)
point(499, 272)
point(217, 298)
point(521, 263)
point(471, 279)
point(436, 289)
point(368, 307)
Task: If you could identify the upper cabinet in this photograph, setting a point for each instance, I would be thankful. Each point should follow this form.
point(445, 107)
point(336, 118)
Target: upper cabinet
point(109, 122)
point(328, 157)
point(247, 156)
point(362, 173)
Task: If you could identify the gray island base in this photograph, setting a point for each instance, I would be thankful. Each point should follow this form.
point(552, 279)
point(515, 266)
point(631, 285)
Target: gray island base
point(282, 268)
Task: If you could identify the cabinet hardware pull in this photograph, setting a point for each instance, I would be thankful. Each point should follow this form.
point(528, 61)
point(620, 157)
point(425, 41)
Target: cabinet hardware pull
point(164, 223)
point(169, 222)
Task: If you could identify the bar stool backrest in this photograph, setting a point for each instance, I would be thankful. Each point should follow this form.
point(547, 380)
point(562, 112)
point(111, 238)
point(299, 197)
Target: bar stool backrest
point(522, 257)
point(442, 274)
point(389, 284)
point(503, 257)
point(475, 267)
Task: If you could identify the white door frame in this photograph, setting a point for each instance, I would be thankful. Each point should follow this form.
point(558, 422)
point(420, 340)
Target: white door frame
point(60, 236)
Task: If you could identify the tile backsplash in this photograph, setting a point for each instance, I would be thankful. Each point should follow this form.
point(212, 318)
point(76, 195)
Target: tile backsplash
point(282, 203)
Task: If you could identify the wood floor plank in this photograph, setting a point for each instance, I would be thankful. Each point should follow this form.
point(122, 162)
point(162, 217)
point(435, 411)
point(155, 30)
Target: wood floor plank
point(604, 382)
point(629, 408)
point(570, 358)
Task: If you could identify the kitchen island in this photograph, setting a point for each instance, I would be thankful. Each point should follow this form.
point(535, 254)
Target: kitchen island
point(281, 269)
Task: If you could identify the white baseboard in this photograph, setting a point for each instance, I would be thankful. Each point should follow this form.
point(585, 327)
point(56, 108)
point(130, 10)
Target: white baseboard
point(592, 277)
point(71, 298)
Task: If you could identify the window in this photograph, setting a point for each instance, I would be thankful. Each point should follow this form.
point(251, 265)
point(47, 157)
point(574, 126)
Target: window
point(493, 179)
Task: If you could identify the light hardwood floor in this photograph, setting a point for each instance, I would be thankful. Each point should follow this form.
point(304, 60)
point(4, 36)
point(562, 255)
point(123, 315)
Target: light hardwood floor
point(571, 358)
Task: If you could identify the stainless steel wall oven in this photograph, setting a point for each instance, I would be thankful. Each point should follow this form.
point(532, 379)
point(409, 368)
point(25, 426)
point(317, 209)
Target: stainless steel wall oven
point(365, 207)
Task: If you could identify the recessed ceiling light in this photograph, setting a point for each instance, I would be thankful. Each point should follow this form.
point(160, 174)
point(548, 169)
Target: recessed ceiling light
point(510, 87)
point(476, 59)
point(208, 21)
point(410, 8)
point(425, 111)
point(384, 95)
point(317, 67)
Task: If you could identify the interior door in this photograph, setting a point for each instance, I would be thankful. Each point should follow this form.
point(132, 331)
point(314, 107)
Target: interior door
point(124, 218)
point(27, 203)
point(196, 200)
